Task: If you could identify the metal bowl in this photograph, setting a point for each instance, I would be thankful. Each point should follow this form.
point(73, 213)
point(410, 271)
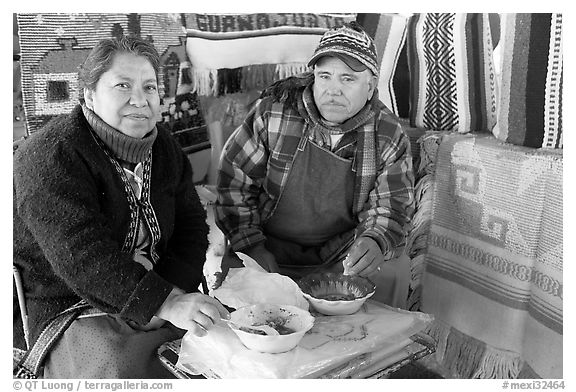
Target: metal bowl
point(290, 321)
point(336, 294)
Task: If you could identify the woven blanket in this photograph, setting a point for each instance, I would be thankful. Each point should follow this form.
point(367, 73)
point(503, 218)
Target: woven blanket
point(416, 241)
point(389, 34)
point(531, 80)
point(54, 45)
point(493, 266)
point(452, 79)
point(239, 52)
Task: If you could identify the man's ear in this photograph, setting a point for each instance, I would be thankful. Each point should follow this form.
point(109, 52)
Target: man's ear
point(373, 82)
point(89, 98)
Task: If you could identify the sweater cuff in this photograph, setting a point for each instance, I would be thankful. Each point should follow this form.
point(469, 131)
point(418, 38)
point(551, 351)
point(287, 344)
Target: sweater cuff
point(146, 299)
point(181, 274)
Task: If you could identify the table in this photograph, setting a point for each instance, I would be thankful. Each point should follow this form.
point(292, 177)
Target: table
point(369, 365)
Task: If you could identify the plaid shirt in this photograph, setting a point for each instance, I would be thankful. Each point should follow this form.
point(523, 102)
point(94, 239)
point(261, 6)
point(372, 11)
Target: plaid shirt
point(257, 158)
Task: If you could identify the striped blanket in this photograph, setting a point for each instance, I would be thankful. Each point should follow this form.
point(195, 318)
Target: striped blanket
point(531, 80)
point(389, 34)
point(452, 79)
point(493, 266)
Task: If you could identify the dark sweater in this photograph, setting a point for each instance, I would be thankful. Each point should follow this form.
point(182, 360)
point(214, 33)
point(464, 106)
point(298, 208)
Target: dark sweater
point(71, 216)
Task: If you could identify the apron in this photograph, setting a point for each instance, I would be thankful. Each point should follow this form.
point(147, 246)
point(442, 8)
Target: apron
point(315, 206)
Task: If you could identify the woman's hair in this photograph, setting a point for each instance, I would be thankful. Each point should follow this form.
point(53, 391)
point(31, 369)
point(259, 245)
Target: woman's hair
point(100, 58)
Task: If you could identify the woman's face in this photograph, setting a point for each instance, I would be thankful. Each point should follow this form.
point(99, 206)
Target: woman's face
point(126, 96)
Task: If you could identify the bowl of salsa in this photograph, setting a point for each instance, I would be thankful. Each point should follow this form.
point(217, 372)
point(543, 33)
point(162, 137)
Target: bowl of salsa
point(291, 323)
point(333, 293)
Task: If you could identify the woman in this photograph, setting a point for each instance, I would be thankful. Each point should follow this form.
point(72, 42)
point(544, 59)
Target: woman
point(105, 212)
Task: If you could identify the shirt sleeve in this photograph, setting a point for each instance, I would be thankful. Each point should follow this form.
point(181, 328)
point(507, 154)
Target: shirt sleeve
point(241, 173)
point(391, 203)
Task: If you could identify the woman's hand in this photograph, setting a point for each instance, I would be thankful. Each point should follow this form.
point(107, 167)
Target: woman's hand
point(195, 312)
point(364, 258)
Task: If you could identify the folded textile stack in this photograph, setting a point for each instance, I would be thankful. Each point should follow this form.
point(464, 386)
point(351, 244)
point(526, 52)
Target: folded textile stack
point(421, 221)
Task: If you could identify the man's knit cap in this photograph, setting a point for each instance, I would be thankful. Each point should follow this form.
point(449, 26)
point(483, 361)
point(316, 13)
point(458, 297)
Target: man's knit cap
point(351, 44)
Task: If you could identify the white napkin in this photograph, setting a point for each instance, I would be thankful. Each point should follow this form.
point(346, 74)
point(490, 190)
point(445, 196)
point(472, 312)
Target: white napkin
point(254, 285)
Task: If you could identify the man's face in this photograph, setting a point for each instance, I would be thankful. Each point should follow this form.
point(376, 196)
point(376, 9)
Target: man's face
point(339, 91)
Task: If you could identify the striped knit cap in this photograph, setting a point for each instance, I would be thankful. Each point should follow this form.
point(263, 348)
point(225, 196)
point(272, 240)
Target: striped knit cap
point(348, 40)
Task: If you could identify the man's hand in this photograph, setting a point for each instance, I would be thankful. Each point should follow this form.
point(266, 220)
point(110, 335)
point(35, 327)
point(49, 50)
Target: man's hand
point(364, 258)
point(263, 257)
point(195, 312)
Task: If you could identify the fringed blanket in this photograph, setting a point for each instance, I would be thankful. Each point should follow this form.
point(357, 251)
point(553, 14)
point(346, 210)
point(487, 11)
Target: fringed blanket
point(493, 265)
point(427, 146)
point(238, 52)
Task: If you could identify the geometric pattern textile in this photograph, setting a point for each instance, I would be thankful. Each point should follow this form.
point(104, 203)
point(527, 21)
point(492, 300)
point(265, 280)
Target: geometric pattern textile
point(494, 259)
point(530, 108)
point(389, 34)
point(54, 45)
point(442, 112)
point(452, 78)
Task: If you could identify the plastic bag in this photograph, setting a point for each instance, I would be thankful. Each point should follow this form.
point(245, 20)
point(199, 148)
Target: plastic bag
point(333, 341)
point(254, 285)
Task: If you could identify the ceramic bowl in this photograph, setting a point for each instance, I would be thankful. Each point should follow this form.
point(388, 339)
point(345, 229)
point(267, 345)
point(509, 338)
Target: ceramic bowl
point(336, 294)
point(290, 321)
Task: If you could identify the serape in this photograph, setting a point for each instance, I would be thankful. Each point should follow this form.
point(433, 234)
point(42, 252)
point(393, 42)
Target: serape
point(452, 76)
point(531, 79)
point(493, 265)
point(389, 34)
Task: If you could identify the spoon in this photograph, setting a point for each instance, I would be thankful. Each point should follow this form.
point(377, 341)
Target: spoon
point(255, 329)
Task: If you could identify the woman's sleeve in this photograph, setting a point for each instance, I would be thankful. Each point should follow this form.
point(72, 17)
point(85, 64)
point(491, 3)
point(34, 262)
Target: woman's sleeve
point(57, 198)
point(183, 262)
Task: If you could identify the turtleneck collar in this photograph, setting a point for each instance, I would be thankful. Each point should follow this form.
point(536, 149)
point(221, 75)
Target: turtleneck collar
point(308, 109)
point(124, 147)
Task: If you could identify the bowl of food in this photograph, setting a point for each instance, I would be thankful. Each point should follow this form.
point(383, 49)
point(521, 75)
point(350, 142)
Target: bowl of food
point(291, 323)
point(332, 293)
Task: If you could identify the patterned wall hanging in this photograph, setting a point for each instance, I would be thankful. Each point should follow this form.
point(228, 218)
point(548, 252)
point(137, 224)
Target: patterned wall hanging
point(389, 34)
point(532, 74)
point(452, 75)
point(54, 45)
point(240, 52)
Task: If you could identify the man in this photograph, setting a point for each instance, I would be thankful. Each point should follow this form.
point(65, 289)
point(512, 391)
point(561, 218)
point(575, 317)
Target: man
point(319, 175)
